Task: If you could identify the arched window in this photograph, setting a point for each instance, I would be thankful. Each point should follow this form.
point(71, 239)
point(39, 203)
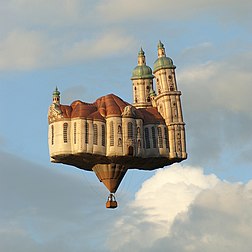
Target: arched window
point(103, 135)
point(179, 145)
point(52, 130)
point(130, 151)
point(130, 130)
point(119, 142)
point(138, 131)
point(65, 126)
point(160, 138)
point(75, 133)
point(154, 140)
point(111, 134)
point(166, 138)
point(147, 138)
point(95, 139)
point(119, 131)
point(86, 132)
point(139, 144)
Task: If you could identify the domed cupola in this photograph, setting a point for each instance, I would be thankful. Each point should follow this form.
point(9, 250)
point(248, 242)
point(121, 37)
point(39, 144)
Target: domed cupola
point(142, 80)
point(142, 71)
point(56, 96)
point(162, 62)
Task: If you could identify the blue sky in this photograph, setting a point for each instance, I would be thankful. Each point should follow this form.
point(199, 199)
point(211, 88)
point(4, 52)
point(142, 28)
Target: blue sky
point(89, 49)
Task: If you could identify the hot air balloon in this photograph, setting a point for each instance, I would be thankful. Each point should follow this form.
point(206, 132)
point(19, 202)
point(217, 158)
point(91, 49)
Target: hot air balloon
point(110, 136)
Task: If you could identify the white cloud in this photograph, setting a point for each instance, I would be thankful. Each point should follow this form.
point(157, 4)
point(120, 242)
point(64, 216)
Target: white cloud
point(178, 209)
point(25, 50)
point(109, 43)
point(217, 107)
point(181, 209)
point(47, 210)
point(223, 84)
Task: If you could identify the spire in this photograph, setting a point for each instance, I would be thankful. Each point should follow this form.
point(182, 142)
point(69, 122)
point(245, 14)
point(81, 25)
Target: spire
point(160, 44)
point(161, 49)
point(141, 57)
point(56, 96)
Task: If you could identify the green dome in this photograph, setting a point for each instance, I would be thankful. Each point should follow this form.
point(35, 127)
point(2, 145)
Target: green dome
point(163, 62)
point(56, 92)
point(142, 72)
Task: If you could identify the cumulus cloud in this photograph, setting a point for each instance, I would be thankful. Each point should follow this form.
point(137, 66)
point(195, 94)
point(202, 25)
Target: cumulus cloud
point(219, 219)
point(109, 43)
point(179, 209)
point(47, 210)
point(216, 99)
point(25, 50)
point(182, 209)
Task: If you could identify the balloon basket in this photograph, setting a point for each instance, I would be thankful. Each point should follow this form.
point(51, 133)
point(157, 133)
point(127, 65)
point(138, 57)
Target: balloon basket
point(111, 202)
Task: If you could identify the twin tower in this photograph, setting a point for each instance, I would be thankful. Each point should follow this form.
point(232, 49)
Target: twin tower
point(166, 98)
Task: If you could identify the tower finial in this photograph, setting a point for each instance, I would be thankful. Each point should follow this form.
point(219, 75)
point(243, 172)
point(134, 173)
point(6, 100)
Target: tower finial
point(141, 57)
point(141, 52)
point(161, 49)
point(160, 44)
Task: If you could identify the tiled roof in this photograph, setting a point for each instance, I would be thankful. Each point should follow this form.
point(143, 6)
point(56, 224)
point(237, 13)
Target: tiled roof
point(109, 105)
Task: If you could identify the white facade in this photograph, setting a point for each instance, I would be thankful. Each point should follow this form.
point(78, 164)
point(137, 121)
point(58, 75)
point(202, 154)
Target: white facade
point(117, 137)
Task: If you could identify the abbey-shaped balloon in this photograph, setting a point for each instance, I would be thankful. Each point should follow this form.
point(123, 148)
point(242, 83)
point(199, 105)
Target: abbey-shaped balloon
point(111, 136)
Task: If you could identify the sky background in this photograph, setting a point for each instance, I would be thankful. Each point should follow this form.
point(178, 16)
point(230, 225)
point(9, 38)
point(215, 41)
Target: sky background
point(89, 49)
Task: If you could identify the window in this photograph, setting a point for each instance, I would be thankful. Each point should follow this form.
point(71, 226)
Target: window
point(111, 134)
point(119, 142)
point(52, 130)
point(166, 138)
point(130, 130)
point(119, 131)
point(178, 145)
point(138, 131)
point(178, 135)
point(75, 133)
point(160, 139)
point(86, 132)
point(139, 144)
point(103, 135)
point(95, 139)
point(130, 151)
point(65, 126)
point(147, 138)
point(154, 141)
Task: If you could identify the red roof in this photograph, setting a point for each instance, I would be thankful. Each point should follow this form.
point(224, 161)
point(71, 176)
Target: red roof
point(109, 105)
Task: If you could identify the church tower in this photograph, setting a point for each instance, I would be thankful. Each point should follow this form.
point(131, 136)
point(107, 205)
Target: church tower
point(142, 79)
point(168, 103)
point(56, 96)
